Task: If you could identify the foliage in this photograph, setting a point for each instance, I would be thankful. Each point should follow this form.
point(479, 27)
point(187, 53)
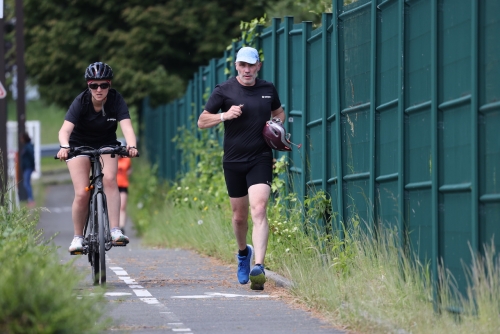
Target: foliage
point(203, 182)
point(301, 10)
point(37, 293)
point(362, 282)
point(153, 47)
point(297, 228)
point(148, 194)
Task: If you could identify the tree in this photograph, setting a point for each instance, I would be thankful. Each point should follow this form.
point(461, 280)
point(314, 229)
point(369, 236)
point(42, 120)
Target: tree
point(152, 46)
point(301, 10)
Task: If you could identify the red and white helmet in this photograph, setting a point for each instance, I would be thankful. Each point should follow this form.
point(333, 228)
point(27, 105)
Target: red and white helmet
point(276, 137)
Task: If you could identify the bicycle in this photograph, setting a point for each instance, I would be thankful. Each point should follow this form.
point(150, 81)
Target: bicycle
point(97, 235)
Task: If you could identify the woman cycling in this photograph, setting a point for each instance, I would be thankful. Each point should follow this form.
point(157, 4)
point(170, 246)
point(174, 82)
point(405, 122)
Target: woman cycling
point(92, 120)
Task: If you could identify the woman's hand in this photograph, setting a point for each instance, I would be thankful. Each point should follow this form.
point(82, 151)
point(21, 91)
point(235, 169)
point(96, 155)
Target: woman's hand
point(63, 153)
point(132, 151)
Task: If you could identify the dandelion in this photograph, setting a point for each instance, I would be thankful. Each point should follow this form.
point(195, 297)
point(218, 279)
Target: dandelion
point(179, 188)
point(205, 208)
point(195, 199)
point(140, 205)
point(185, 199)
point(187, 188)
point(287, 250)
point(200, 222)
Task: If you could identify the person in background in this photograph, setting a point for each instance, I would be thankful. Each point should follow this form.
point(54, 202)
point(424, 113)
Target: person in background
point(28, 166)
point(92, 120)
point(246, 104)
point(124, 171)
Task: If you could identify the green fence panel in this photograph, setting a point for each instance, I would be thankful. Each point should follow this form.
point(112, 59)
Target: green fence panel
point(488, 97)
point(396, 104)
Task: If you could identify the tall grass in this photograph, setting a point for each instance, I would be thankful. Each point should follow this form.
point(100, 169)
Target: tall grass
point(359, 280)
point(38, 294)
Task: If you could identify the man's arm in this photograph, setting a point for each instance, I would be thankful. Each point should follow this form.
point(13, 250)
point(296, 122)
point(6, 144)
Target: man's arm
point(208, 120)
point(279, 113)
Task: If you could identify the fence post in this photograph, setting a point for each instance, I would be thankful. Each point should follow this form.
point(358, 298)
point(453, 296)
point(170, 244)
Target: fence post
point(306, 33)
point(336, 106)
point(434, 148)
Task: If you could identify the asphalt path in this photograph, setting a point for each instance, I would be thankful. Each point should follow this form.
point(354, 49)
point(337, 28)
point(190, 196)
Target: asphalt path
point(174, 290)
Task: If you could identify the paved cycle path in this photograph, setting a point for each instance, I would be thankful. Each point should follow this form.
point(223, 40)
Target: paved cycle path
point(173, 290)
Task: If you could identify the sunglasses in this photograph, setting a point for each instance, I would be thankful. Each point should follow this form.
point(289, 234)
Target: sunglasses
point(94, 86)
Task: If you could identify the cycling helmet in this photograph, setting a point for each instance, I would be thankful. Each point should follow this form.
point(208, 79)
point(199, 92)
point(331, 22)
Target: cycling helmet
point(276, 137)
point(98, 71)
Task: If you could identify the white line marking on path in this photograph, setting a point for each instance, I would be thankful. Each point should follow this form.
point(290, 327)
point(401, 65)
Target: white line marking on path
point(127, 279)
point(142, 293)
point(121, 273)
point(221, 295)
point(150, 300)
point(60, 209)
point(117, 294)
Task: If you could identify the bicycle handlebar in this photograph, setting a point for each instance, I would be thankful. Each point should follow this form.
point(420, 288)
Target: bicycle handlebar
point(92, 152)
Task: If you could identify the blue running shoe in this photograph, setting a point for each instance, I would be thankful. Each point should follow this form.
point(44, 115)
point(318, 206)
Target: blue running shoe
point(244, 265)
point(257, 277)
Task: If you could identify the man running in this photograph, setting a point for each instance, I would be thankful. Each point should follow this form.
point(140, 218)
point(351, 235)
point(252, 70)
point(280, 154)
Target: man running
point(246, 103)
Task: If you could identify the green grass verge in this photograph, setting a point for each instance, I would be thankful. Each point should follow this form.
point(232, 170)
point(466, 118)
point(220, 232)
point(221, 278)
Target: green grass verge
point(38, 294)
point(358, 282)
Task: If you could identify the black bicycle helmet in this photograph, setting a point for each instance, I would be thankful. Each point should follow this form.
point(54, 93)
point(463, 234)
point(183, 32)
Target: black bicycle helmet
point(98, 71)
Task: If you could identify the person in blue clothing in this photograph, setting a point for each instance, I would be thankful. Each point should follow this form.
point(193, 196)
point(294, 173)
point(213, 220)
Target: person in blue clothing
point(246, 104)
point(28, 166)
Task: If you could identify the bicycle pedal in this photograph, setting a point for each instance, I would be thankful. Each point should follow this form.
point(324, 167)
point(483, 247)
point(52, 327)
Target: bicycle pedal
point(76, 253)
point(120, 243)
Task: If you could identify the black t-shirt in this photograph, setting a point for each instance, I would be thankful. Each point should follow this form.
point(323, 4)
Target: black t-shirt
point(94, 128)
point(243, 140)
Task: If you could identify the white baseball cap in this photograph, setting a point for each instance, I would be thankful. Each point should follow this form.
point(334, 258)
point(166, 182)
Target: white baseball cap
point(248, 55)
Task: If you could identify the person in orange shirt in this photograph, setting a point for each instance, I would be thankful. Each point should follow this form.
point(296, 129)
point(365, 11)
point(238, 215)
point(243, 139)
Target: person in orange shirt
point(124, 170)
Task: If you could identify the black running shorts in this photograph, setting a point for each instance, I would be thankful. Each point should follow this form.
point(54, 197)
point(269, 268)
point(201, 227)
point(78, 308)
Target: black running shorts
point(241, 175)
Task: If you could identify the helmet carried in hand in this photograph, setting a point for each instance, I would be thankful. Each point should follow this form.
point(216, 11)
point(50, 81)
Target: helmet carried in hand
point(98, 71)
point(276, 137)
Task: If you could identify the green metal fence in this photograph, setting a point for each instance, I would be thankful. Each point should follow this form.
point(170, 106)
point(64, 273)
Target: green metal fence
point(397, 104)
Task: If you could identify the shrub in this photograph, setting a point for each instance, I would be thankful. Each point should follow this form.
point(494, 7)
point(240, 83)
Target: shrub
point(38, 294)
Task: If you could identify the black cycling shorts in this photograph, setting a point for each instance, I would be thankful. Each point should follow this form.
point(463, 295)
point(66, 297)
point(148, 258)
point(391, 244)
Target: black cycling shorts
point(123, 189)
point(241, 175)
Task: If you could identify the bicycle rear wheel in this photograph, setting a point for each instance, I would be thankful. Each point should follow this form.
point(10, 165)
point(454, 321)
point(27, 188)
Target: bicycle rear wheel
point(102, 245)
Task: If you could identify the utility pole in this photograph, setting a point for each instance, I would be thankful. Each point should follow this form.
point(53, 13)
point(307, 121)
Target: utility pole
point(3, 112)
point(21, 79)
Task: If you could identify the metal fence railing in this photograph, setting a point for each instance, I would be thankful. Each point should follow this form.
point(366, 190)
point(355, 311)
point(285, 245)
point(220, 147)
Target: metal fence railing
point(396, 103)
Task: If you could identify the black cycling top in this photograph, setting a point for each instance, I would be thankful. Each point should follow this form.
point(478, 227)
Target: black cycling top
point(96, 129)
point(243, 140)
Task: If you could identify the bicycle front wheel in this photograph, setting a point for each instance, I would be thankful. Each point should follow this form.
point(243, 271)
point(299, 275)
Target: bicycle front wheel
point(102, 244)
